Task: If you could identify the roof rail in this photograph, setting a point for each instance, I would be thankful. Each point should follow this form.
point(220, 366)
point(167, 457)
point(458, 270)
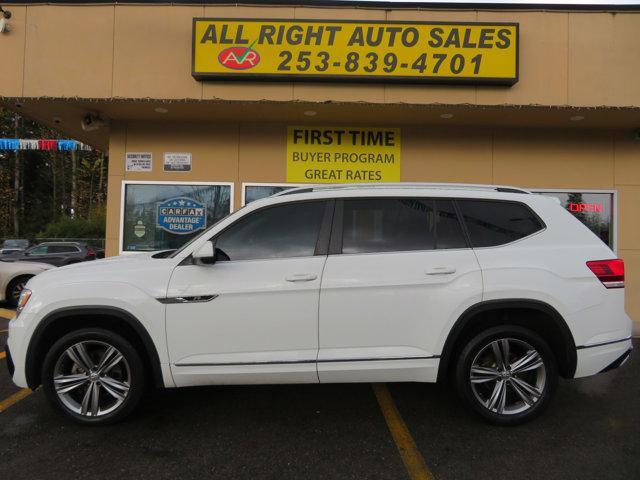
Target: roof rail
point(452, 186)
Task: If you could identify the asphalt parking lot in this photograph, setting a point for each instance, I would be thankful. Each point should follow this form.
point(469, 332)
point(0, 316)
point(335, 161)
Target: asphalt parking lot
point(398, 431)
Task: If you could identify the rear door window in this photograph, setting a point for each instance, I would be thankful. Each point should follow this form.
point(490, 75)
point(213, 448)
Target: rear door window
point(448, 228)
point(399, 224)
point(494, 222)
point(387, 225)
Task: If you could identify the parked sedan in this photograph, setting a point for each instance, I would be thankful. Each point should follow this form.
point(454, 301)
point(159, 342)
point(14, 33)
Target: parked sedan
point(55, 253)
point(14, 276)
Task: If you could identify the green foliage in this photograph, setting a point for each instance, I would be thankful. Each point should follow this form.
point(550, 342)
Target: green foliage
point(67, 227)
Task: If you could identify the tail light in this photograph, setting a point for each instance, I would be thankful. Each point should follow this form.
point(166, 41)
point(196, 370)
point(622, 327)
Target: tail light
point(609, 272)
point(90, 252)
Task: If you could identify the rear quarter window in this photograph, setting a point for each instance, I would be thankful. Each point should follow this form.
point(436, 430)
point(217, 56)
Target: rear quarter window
point(494, 222)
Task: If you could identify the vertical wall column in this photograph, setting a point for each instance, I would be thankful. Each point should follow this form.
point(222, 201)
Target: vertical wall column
point(117, 147)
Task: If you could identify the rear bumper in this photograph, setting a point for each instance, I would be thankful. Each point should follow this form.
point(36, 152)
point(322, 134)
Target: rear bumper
point(601, 358)
point(618, 362)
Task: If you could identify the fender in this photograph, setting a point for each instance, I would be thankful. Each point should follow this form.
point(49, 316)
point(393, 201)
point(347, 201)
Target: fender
point(464, 320)
point(32, 367)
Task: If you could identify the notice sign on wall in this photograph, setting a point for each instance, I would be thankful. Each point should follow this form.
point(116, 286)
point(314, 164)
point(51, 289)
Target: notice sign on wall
point(177, 162)
point(138, 161)
point(342, 154)
point(355, 50)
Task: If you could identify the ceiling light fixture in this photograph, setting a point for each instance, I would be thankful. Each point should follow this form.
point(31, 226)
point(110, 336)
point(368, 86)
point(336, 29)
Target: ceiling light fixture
point(310, 113)
point(576, 118)
point(161, 110)
point(446, 116)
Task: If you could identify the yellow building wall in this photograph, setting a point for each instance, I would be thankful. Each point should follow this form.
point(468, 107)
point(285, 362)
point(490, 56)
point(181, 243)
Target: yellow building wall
point(144, 51)
point(571, 159)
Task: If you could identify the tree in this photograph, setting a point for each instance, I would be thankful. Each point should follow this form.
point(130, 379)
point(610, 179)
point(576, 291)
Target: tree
point(41, 187)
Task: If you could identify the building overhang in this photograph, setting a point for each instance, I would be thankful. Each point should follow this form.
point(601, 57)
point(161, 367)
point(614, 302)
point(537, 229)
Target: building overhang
point(66, 115)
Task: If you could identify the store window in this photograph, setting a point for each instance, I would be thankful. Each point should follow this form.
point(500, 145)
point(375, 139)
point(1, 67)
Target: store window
point(256, 191)
point(161, 216)
point(594, 209)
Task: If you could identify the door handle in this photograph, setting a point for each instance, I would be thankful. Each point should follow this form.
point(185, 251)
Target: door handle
point(440, 271)
point(301, 277)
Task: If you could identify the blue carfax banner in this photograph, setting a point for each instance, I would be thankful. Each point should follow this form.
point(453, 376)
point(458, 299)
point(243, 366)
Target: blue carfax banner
point(181, 216)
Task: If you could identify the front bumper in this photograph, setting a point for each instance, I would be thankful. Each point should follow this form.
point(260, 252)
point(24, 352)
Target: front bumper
point(16, 349)
point(10, 365)
point(601, 358)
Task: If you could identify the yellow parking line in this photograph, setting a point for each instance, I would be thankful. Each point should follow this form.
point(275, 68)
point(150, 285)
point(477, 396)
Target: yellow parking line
point(2, 355)
point(7, 314)
point(15, 398)
point(411, 457)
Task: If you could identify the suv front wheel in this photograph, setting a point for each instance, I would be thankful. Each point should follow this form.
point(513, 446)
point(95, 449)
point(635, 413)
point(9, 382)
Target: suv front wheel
point(93, 376)
point(507, 374)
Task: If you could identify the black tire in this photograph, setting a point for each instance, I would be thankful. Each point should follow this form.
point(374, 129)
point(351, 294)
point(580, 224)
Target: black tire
point(132, 368)
point(15, 287)
point(479, 394)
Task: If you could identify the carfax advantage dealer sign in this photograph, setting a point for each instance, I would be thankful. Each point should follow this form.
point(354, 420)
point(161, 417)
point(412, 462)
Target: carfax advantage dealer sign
point(357, 50)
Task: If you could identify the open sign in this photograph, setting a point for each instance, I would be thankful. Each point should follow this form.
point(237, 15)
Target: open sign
point(586, 207)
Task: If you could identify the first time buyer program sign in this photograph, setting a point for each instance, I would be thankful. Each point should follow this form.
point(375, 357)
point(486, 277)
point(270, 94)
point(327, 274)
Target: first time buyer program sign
point(355, 50)
point(342, 154)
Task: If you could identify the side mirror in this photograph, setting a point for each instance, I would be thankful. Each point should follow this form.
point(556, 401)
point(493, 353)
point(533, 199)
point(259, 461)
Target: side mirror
point(205, 254)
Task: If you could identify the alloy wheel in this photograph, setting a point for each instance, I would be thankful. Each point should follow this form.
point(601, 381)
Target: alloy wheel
point(508, 376)
point(92, 378)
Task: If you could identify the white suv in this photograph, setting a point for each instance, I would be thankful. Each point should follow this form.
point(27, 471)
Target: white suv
point(501, 290)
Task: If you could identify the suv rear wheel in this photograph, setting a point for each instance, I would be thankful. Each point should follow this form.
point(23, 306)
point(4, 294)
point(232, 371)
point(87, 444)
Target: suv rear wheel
point(507, 374)
point(93, 376)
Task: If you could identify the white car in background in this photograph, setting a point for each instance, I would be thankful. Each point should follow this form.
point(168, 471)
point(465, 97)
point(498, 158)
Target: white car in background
point(14, 276)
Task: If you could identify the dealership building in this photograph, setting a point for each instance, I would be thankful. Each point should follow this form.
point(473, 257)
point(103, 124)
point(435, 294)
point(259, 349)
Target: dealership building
point(204, 106)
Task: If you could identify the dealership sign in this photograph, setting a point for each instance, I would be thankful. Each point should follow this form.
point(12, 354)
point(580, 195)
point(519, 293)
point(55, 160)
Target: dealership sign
point(181, 215)
point(342, 154)
point(443, 52)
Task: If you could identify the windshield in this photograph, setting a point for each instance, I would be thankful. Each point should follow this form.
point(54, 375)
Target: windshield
point(15, 244)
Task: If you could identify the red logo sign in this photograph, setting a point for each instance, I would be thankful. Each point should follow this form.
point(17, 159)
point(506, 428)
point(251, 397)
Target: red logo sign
point(239, 58)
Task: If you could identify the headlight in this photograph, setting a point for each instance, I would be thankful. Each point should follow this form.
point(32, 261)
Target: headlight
point(25, 295)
